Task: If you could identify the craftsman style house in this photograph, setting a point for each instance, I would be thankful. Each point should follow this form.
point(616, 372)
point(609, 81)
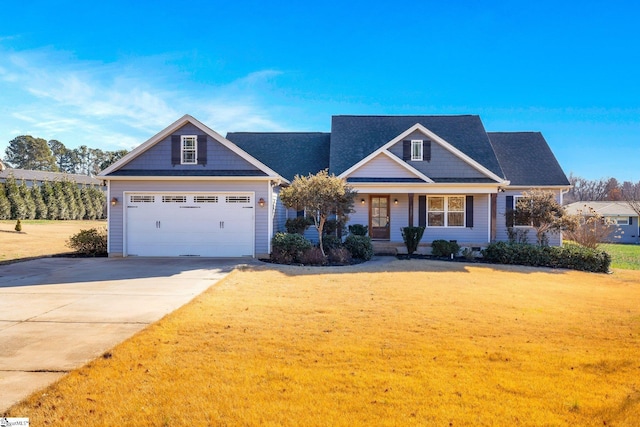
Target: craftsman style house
point(188, 191)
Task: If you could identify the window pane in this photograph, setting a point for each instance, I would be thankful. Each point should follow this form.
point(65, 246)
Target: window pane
point(456, 203)
point(416, 150)
point(383, 203)
point(436, 203)
point(456, 219)
point(436, 219)
point(375, 222)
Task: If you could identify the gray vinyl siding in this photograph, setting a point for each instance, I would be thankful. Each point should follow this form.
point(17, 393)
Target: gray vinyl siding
point(399, 218)
point(280, 214)
point(117, 189)
point(555, 239)
point(158, 157)
point(443, 163)
point(625, 233)
point(382, 166)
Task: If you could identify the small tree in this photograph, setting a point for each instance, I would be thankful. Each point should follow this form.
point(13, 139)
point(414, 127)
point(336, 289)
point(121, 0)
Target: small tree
point(411, 237)
point(592, 228)
point(5, 206)
point(320, 195)
point(541, 210)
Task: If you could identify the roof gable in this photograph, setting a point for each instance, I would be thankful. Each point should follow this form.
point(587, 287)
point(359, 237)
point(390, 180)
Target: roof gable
point(354, 138)
point(190, 123)
point(385, 165)
point(526, 159)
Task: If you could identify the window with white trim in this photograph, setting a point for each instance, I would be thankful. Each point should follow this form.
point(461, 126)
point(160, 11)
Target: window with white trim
point(189, 149)
point(621, 220)
point(416, 149)
point(517, 223)
point(445, 211)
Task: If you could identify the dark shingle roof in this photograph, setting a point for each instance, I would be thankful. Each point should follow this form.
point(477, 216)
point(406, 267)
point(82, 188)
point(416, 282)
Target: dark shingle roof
point(526, 159)
point(287, 153)
point(355, 137)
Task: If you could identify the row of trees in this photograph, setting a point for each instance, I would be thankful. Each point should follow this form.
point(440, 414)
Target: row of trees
point(27, 152)
point(603, 189)
point(51, 200)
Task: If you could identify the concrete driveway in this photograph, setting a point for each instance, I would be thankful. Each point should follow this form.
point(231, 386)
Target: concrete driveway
point(56, 314)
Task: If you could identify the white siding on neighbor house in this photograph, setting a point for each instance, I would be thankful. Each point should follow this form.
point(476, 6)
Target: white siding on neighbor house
point(116, 213)
point(501, 220)
point(443, 163)
point(219, 157)
point(381, 166)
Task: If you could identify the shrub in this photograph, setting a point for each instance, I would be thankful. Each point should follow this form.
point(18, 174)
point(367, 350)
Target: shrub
point(444, 248)
point(331, 242)
point(297, 225)
point(359, 246)
point(411, 237)
point(339, 255)
point(18, 226)
point(358, 229)
point(313, 256)
point(5, 206)
point(569, 256)
point(89, 242)
point(287, 248)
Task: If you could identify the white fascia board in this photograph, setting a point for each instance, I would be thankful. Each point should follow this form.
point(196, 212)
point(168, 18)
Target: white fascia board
point(386, 188)
point(418, 127)
point(206, 129)
point(189, 178)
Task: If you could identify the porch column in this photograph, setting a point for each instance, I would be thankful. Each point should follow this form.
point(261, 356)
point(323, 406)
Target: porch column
point(494, 215)
point(410, 209)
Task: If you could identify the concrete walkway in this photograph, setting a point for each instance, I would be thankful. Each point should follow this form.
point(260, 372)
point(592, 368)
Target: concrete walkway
point(57, 314)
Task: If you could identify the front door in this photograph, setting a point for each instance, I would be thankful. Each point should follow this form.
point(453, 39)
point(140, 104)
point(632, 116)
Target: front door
point(379, 217)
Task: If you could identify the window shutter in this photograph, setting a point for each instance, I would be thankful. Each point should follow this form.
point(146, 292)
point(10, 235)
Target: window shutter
point(422, 211)
point(406, 150)
point(630, 220)
point(175, 150)
point(509, 208)
point(300, 213)
point(426, 151)
point(202, 149)
point(469, 212)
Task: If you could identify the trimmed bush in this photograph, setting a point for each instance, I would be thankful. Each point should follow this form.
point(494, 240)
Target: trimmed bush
point(331, 242)
point(444, 248)
point(313, 256)
point(358, 229)
point(297, 225)
point(411, 237)
point(288, 248)
point(89, 242)
point(339, 255)
point(359, 246)
point(569, 256)
point(18, 226)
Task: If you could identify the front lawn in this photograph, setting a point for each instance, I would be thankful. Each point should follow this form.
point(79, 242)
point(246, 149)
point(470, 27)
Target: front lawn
point(623, 256)
point(39, 237)
point(399, 342)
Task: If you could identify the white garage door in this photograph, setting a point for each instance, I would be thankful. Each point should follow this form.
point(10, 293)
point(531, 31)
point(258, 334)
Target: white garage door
point(188, 224)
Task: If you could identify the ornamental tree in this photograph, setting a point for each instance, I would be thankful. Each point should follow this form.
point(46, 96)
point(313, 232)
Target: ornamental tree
point(544, 214)
point(321, 196)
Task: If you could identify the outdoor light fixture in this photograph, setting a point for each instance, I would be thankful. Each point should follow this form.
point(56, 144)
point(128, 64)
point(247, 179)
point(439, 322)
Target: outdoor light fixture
point(261, 202)
point(114, 201)
point(395, 201)
point(362, 201)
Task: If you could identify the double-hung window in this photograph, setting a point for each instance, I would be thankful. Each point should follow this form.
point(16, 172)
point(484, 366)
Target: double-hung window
point(446, 211)
point(416, 149)
point(189, 149)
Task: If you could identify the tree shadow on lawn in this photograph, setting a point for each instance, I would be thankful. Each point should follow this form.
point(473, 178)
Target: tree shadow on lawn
point(383, 264)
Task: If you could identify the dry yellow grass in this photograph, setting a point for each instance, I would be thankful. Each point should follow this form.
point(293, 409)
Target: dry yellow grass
point(404, 343)
point(39, 237)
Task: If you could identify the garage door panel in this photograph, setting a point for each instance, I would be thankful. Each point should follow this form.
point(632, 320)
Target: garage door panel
point(172, 224)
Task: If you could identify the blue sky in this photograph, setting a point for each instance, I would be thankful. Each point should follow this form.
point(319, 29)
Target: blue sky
point(111, 74)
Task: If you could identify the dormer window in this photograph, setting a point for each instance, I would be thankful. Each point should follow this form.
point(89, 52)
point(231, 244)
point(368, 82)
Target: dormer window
point(189, 151)
point(416, 150)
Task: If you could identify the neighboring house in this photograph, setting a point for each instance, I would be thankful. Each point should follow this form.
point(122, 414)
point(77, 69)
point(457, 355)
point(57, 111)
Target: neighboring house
point(625, 220)
point(31, 176)
point(188, 191)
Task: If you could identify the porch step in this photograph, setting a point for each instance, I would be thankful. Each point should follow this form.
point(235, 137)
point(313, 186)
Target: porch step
point(386, 248)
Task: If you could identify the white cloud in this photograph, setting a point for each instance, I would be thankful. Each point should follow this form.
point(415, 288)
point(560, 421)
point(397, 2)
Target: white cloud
point(115, 105)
